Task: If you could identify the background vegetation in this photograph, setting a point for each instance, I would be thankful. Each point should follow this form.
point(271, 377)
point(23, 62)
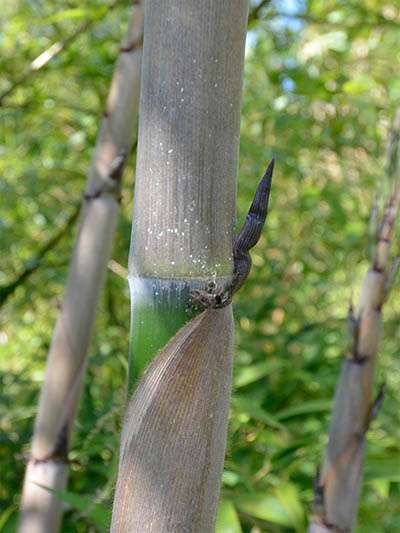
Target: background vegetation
point(321, 86)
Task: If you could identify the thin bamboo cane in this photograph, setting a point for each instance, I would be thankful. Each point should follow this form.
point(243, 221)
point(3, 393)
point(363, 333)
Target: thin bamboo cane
point(41, 509)
point(339, 484)
point(182, 239)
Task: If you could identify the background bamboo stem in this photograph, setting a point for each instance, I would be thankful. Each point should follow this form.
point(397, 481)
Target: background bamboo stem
point(339, 484)
point(48, 466)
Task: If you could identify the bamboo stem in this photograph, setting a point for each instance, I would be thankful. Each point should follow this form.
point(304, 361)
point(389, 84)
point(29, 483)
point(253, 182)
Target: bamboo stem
point(174, 436)
point(185, 184)
point(48, 465)
point(339, 484)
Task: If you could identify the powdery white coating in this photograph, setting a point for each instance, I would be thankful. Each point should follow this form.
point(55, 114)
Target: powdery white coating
point(188, 138)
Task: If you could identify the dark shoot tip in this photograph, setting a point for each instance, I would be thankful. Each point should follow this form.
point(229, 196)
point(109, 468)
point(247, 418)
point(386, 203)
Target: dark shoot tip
point(259, 206)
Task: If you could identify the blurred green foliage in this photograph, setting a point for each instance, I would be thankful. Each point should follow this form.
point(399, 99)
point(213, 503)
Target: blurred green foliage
point(321, 86)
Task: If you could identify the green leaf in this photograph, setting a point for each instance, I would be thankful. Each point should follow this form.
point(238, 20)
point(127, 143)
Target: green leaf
point(283, 508)
point(266, 508)
point(383, 467)
point(71, 14)
point(256, 412)
point(5, 515)
point(252, 373)
point(289, 496)
point(335, 40)
point(227, 518)
point(382, 487)
point(306, 408)
point(99, 514)
point(359, 85)
point(230, 479)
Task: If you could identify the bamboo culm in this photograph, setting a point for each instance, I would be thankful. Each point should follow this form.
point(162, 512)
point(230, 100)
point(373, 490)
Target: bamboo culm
point(41, 509)
point(174, 434)
point(338, 486)
point(185, 186)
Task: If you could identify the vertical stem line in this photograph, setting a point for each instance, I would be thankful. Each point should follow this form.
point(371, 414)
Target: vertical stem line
point(41, 509)
point(339, 484)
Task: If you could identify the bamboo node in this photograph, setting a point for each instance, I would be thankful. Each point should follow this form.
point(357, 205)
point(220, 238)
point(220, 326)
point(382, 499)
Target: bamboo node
point(376, 405)
point(212, 297)
point(321, 521)
point(117, 165)
point(130, 47)
point(392, 275)
point(353, 324)
point(51, 457)
point(112, 181)
point(318, 489)
point(358, 358)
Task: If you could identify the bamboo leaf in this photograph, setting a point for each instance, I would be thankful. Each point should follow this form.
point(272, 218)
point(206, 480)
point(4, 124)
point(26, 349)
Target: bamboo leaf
point(4, 518)
point(74, 14)
point(231, 479)
point(283, 508)
point(383, 467)
point(256, 412)
point(306, 408)
point(99, 514)
point(227, 518)
point(268, 508)
point(252, 373)
point(289, 496)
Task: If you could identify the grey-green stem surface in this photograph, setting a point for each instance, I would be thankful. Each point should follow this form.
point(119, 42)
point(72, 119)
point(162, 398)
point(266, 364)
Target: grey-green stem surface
point(174, 435)
point(41, 509)
point(340, 480)
point(185, 187)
